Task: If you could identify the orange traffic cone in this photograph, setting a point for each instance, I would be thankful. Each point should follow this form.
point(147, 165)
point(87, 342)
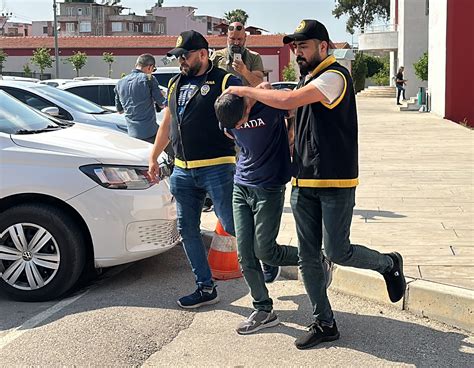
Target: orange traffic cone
point(222, 256)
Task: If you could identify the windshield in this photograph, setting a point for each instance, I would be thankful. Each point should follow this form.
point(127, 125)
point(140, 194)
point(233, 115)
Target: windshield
point(71, 100)
point(16, 117)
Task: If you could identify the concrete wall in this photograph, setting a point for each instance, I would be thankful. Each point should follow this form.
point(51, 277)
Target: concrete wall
point(95, 66)
point(123, 64)
point(271, 62)
point(412, 40)
point(437, 56)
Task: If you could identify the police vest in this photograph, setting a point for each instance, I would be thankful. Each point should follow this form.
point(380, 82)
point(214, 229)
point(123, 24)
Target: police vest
point(325, 154)
point(195, 135)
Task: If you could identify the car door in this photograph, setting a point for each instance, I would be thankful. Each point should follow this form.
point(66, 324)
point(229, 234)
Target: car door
point(35, 101)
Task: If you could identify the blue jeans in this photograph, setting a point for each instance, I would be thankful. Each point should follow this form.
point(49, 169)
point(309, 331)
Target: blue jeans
point(189, 187)
point(400, 91)
point(326, 213)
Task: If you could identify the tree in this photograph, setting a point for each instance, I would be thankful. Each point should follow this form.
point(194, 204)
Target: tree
point(236, 15)
point(109, 58)
point(78, 60)
point(382, 77)
point(27, 70)
point(374, 64)
point(359, 72)
point(361, 12)
point(3, 57)
point(43, 59)
point(421, 67)
point(289, 72)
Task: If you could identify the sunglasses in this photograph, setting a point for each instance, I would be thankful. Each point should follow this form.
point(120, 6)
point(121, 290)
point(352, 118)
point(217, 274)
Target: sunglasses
point(238, 28)
point(187, 54)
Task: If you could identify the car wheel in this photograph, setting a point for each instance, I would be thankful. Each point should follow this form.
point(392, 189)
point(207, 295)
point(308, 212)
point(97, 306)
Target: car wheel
point(42, 252)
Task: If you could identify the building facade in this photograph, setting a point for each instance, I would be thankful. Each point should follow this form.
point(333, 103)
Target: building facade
point(11, 27)
point(443, 29)
point(42, 28)
point(179, 18)
point(88, 18)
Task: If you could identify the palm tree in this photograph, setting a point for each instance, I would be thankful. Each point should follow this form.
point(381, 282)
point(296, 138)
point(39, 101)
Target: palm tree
point(236, 15)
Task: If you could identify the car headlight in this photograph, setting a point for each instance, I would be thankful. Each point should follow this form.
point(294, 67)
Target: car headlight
point(119, 177)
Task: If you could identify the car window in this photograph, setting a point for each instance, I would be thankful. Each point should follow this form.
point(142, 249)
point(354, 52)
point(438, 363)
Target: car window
point(90, 93)
point(71, 100)
point(164, 78)
point(15, 116)
point(107, 95)
point(35, 101)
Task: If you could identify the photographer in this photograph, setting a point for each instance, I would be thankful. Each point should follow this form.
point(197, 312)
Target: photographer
point(237, 59)
point(138, 95)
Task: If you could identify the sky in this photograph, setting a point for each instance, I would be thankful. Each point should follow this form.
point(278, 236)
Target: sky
point(276, 16)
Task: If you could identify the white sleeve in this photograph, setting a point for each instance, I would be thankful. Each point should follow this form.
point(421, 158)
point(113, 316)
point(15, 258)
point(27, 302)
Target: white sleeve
point(330, 84)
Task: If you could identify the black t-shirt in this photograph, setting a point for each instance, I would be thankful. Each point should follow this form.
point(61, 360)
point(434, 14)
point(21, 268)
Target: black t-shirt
point(399, 77)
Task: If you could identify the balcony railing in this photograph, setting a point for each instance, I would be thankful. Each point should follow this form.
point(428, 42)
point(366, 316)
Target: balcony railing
point(381, 28)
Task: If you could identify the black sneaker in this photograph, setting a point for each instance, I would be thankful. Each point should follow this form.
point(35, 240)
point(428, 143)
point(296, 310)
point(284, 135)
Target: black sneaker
point(199, 298)
point(270, 273)
point(257, 321)
point(316, 335)
point(395, 279)
point(208, 205)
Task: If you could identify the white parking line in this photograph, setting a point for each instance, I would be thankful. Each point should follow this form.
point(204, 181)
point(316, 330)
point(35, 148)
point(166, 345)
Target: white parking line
point(36, 320)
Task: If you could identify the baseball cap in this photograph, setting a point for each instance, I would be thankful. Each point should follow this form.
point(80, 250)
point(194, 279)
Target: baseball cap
point(188, 41)
point(308, 29)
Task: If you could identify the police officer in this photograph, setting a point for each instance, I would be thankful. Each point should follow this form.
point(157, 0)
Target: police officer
point(325, 166)
point(205, 157)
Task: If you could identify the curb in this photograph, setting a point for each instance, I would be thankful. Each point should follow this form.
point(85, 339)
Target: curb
point(448, 304)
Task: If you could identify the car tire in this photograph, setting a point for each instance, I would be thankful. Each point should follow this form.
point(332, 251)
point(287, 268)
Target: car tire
point(53, 258)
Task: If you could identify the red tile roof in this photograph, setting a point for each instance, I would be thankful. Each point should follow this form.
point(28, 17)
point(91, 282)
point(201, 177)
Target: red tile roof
point(126, 42)
point(103, 42)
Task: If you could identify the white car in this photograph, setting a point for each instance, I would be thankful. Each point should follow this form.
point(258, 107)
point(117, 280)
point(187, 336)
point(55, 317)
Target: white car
point(64, 105)
point(74, 196)
point(55, 82)
point(163, 74)
point(100, 91)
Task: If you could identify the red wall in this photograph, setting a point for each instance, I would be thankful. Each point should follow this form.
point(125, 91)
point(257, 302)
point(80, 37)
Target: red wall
point(460, 62)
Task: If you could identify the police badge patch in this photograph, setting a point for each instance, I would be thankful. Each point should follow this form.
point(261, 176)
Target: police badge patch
point(300, 26)
point(205, 89)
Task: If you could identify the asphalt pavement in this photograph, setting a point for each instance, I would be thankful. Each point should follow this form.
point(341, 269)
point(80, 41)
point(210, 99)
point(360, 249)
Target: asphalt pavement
point(129, 317)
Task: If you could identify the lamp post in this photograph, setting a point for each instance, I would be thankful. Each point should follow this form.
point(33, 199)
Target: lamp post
point(56, 50)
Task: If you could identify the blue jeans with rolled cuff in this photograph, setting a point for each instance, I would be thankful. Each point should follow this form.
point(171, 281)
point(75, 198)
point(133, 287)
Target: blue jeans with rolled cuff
point(189, 187)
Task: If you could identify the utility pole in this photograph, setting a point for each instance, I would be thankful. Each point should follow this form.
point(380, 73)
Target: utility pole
point(56, 49)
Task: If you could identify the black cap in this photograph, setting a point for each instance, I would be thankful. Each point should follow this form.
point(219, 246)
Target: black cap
point(308, 29)
point(188, 41)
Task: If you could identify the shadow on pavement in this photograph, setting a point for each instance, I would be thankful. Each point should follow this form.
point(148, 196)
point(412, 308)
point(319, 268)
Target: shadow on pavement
point(387, 338)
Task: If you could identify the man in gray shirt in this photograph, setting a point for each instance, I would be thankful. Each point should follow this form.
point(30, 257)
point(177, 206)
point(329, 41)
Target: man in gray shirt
point(136, 94)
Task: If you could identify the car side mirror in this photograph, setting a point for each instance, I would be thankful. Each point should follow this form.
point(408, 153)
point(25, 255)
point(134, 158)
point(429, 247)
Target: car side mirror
point(53, 111)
